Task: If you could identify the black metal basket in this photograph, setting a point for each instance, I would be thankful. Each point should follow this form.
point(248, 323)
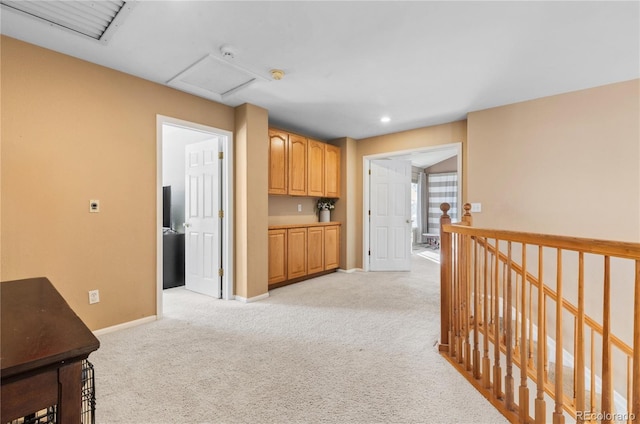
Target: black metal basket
point(88, 411)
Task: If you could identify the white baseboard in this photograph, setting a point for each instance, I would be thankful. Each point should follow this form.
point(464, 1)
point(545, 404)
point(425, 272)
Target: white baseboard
point(124, 325)
point(252, 299)
point(349, 271)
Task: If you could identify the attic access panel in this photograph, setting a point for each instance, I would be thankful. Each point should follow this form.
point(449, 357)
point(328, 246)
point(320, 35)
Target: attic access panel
point(214, 77)
point(96, 20)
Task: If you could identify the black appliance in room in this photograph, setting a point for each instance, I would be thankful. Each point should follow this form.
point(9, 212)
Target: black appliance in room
point(166, 207)
point(172, 246)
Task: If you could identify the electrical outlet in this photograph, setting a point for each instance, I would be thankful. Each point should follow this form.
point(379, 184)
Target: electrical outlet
point(94, 206)
point(299, 207)
point(94, 296)
point(476, 207)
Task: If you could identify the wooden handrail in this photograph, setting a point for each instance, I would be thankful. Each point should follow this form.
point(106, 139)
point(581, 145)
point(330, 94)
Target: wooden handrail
point(616, 249)
point(491, 296)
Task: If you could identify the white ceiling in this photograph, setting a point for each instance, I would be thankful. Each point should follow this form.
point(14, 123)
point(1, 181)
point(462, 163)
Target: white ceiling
point(349, 63)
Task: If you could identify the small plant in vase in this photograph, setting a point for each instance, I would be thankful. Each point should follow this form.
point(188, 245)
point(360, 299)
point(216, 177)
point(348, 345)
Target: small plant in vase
point(325, 205)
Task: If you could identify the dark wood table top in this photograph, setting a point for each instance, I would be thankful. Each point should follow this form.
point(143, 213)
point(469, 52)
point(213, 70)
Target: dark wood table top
point(39, 329)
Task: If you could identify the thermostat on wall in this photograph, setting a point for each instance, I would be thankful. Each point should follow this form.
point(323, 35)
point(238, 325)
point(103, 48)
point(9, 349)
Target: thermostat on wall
point(94, 206)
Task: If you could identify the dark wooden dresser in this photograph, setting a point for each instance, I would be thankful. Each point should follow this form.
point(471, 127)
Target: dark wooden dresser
point(43, 344)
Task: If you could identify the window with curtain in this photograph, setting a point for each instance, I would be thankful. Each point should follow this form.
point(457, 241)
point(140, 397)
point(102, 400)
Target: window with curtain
point(441, 188)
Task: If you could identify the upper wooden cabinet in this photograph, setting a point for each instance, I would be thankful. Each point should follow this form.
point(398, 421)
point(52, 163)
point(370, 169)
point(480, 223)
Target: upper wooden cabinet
point(315, 168)
point(299, 166)
point(331, 171)
point(278, 148)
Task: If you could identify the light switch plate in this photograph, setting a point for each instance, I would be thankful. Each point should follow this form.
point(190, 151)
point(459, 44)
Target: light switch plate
point(476, 207)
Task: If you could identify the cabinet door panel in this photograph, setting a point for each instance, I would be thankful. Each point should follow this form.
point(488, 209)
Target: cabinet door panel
point(297, 165)
point(331, 171)
point(277, 256)
point(331, 247)
point(315, 169)
point(315, 251)
point(278, 146)
point(296, 252)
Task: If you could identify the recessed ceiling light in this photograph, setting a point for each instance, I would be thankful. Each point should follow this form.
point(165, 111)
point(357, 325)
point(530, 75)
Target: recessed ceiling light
point(385, 119)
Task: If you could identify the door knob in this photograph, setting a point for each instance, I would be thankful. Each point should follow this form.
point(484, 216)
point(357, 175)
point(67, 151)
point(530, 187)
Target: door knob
point(186, 225)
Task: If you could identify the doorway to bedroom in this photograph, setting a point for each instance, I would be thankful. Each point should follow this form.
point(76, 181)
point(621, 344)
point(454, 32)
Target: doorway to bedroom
point(194, 209)
point(435, 177)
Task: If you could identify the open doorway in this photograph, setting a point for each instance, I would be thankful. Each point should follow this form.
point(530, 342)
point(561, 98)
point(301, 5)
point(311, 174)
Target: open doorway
point(436, 175)
point(194, 208)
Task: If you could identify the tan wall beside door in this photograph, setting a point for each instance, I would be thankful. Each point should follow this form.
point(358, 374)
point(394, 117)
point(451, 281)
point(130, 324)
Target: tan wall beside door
point(567, 164)
point(346, 207)
point(74, 131)
point(251, 216)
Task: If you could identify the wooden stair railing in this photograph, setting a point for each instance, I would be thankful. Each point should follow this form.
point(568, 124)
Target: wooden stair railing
point(494, 307)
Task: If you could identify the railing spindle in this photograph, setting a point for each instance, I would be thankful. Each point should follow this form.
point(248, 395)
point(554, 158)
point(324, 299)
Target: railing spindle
point(523, 397)
point(629, 391)
point(592, 386)
point(476, 313)
point(635, 407)
point(558, 416)
point(509, 383)
point(579, 367)
point(516, 344)
point(607, 375)
point(541, 407)
point(454, 296)
point(530, 363)
point(486, 362)
point(497, 371)
point(460, 298)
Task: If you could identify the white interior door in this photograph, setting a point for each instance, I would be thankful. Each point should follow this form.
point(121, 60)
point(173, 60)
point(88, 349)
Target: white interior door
point(202, 232)
point(390, 220)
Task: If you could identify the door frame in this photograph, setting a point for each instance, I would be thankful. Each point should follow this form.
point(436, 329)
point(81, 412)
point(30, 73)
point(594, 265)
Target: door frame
point(226, 205)
point(366, 166)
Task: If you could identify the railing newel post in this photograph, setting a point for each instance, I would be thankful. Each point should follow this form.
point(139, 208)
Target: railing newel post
point(445, 280)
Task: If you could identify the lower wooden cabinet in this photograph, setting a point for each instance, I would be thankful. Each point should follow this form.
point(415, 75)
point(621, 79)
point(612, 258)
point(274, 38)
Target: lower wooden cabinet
point(315, 250)
point(298, 252)
point(331, 247)
point(277, 256)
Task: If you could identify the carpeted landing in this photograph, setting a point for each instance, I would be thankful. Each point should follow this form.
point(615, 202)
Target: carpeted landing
point(342, 348)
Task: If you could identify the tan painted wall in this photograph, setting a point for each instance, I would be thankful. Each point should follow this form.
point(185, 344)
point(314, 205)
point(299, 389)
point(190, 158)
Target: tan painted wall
point(345, 211)
point(74, 131)
point(455, 132)
point(566, 164)
point(283, 210)
point(252, 204)
point(448, 165)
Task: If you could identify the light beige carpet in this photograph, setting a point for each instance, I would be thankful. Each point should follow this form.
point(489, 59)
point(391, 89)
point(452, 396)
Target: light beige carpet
point(342, 348)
